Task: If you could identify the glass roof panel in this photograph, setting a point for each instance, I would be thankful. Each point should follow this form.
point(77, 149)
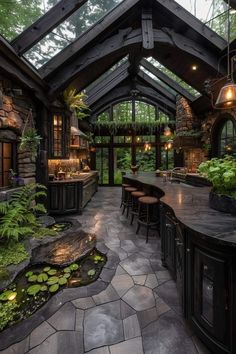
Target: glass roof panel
point(17, 15)
point(69, 30)
point(213, 13)
point(155, 78)
point(173, 76)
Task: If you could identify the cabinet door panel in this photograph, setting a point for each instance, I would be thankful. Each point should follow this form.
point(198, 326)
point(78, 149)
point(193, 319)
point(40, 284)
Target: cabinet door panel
point(70, 197)
point(55, 198)
point(210, 294)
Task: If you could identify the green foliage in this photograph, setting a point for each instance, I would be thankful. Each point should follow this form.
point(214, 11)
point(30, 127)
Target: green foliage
point(15, 253)
point(5, 295)
point(53, 288)
point(67, 270)
point(32, 278)
point(8, 312)
point(52, 272)
point(42, 277)
point(30, 141)
point(76, 101)
point(19, 214)
point(62, 281)
point(34, 289)
point(74, 266)
point(221, 173)
point(53, 280)
point(4, 273)
point(91, 272)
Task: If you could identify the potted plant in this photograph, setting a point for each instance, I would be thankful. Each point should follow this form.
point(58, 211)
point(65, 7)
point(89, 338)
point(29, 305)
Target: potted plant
point(221, 172)
point(30, 141)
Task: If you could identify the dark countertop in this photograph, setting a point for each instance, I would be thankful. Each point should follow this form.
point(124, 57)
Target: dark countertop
point(191, 208)
point(82, 177)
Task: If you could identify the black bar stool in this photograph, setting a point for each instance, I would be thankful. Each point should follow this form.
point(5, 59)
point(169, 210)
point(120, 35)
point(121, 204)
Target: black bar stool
point(128, 201)
point(124, 185)
point(148, 213)
point(135, 203)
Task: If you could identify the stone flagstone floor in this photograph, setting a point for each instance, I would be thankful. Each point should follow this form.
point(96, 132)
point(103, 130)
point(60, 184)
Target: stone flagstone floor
point(137, 313)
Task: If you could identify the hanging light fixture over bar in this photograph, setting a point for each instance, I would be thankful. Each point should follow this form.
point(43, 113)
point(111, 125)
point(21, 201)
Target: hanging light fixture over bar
point(227, 96)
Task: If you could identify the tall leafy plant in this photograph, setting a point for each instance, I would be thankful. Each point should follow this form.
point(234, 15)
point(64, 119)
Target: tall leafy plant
point(221, 173)
point(76, 101)
point(19, 214)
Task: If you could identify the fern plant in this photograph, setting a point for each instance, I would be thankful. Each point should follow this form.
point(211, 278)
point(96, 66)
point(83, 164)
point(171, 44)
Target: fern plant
point(76, 101)
point(19, 214)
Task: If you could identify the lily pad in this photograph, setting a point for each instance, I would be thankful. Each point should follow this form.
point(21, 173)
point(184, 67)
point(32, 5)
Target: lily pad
point(52, 272)
point(53, 288)
point(5, 295)
point(33, 289)
point(52, 280)
point(46, 269)
point(62, 281)
point(44, 288)
point(32, 278)
point(74, 266)
point(28, 274)
point(91, 272)
point(66, 275)
point(67, 270)
point(42, 278)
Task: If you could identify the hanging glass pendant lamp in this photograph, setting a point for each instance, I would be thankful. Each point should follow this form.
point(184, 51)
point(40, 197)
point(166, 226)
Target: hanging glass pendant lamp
point(227, 95)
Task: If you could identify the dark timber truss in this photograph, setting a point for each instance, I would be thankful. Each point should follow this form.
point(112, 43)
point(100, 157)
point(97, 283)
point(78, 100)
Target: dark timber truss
point(138, 28)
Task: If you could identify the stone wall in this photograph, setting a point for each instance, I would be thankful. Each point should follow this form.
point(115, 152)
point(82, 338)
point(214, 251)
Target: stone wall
point(186, 121)
point(15, 105)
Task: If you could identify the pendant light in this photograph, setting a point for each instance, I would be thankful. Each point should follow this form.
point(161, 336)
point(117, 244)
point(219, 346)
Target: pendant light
point(227, 96)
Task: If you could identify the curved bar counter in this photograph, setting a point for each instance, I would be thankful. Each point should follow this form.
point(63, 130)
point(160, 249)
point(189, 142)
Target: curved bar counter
point(199, 249)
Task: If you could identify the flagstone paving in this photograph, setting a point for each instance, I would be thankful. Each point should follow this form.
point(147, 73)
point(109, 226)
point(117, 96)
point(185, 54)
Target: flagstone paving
point(132, 309)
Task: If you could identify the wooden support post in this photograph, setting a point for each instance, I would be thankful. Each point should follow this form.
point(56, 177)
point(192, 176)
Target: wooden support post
point(147, 29)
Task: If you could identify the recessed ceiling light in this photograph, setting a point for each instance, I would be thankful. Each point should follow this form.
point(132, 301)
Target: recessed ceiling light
point(194, 67)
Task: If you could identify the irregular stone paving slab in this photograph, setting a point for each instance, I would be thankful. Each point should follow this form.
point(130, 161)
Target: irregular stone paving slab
point(140, 298)
point(161, 306)
point(122, 283)
point(129, 246)
point(107, 274)
point(120, 252)
point(103, 350)
point(151, 281)
point(131, 327)
point(40, 334)
point(162, 276)
point(18, 348)
point(139, 279)
point(64, 319)
point(84, 303)
point(147, 316)
point(126, 310)
point(131, 346)
point(136, 265)
point(167, 336)
point(120, 270)
point(61, 343)
point(107, 295)
point(168, 293)
point(103, 326)
point(79, 320)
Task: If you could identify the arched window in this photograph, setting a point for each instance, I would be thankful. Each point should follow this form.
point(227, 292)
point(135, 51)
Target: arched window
point(227, 138)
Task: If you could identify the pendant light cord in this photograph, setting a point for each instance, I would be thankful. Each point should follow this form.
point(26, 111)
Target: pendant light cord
point(228, 40)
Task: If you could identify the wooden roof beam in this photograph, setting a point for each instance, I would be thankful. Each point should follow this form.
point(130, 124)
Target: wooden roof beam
point(45, 24)
point(162, 90)
point(193, 22)
point(167, 80)
point(106, 85)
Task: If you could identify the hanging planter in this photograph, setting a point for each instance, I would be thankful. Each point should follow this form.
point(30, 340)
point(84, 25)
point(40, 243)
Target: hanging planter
point(30, 140)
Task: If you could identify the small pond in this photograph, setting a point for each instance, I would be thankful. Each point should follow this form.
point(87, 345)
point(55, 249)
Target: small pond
point(71, 261)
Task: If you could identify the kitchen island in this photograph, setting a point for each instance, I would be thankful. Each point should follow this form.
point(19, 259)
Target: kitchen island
point(71, 195)
point(199, 249)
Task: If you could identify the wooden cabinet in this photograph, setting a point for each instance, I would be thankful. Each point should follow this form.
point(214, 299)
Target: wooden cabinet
point(70, 197)
point(209, 293)
point(204, 277)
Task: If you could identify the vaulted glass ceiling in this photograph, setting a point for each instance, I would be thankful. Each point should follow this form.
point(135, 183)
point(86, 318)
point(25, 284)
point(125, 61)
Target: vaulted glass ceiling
point(69, 30)
point(17, 15)
point(173, 76)
point(212, 13)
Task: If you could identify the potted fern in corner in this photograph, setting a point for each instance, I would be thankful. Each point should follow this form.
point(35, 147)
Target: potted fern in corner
point(221, 172)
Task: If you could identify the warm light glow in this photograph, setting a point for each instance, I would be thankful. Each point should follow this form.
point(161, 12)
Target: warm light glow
point(227, 96)
point(12, 296)
point(167, 131)
point(147, 146)
point(194, 67)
